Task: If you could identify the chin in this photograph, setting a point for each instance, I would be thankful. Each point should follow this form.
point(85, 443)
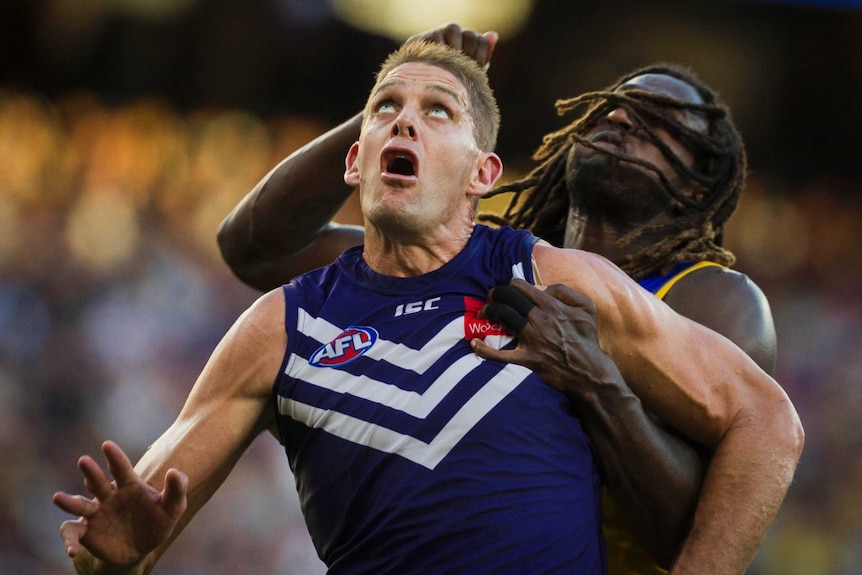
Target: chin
point(616, 189)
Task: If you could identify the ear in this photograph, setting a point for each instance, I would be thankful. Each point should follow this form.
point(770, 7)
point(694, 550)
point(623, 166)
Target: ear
point(351, 169)
point(490, 168)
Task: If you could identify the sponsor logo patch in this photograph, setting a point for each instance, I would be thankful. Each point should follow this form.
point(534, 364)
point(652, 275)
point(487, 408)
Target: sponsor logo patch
point(347, 346)
point(479, 328)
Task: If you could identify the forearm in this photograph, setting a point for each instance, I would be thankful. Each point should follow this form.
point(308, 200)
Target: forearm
point(705, 387)
point(285, 210)
point(745, 484)
point(653, 476)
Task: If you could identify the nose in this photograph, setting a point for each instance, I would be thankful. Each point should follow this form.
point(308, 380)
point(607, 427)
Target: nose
point(404, 126)
point(620, 117)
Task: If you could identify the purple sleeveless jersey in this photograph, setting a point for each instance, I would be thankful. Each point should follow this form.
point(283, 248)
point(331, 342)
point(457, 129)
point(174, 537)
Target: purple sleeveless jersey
point(411, 454)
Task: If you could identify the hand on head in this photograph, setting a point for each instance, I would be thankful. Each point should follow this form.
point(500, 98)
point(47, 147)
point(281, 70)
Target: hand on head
point(478, 46)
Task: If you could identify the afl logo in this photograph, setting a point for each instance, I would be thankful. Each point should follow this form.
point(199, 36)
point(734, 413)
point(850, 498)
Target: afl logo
point(350, 344)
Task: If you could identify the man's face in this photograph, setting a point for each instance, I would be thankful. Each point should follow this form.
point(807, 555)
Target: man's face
point(600, 180)
point(417, 153)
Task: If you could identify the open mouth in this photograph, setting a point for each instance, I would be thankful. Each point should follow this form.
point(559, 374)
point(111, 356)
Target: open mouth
point(399, 163)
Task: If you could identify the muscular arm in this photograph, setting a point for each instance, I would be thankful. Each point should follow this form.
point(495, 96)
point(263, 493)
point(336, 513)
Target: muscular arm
point(653, 476)
point(282, 227)
point(227, 408)
point(699, 383)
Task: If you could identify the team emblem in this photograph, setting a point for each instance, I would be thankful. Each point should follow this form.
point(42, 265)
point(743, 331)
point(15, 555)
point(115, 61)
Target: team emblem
point(347, 346)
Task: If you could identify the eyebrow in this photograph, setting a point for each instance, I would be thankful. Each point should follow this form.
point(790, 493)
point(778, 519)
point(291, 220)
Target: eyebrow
point(432, 87)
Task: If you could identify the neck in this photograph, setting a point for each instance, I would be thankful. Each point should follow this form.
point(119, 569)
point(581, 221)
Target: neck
point(400, 256)
point(601, 234)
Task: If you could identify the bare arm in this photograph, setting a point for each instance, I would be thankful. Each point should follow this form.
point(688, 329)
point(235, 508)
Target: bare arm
point(653, 476)
point(127, 526)
point(282, 227)
point(701, 384)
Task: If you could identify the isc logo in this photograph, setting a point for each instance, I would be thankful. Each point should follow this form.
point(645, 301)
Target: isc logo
point(347, 346)
point(417, 306)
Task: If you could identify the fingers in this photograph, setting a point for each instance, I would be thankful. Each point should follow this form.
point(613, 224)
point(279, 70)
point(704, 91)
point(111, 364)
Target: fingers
point(479, 47)
point(491, 39)
point(571, 298)
point(485, 49)
point(560, 292)
point(509, 307)
point(96, 482)
point(75, 504)
point(509, 317)
point(94, 478)
point(174, 493)
point(71, 533)
point(488, 352)
point(453, 36)
point(119, 464)
point(511, 304)
point(508, 295)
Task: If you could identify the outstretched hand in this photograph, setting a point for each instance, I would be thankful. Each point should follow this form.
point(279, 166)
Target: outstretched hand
point(127, 518)
point(557, 335)
point(478, 46)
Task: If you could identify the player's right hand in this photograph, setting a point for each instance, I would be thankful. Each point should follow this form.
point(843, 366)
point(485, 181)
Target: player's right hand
point(478, 46)
point(127, 518)
point(557, 336)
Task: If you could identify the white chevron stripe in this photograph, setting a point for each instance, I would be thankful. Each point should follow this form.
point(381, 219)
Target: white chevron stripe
point(389, 441)
point(410, 402)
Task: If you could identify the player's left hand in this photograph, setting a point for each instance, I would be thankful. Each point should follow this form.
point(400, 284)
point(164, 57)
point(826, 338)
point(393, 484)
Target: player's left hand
point(557, 335)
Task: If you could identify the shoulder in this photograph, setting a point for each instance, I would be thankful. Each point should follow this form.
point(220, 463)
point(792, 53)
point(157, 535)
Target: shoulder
point(503, 237)
point(264, 321)
point(717, 281)
point(591, 274)
point(732, 304)
point(254, 347)
point(236, 383)
point(623, 308)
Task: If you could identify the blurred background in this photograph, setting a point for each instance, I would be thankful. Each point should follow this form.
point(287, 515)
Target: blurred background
point(130, 128)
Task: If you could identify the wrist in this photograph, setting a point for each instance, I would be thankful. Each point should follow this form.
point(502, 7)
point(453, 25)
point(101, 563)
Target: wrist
point(87, 564)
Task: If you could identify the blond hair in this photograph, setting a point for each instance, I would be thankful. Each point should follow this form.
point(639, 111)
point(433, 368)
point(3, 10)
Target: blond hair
point(482, 105)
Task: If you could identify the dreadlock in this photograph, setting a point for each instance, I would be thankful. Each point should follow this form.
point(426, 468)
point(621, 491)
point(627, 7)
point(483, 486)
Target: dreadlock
point(540, 201)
